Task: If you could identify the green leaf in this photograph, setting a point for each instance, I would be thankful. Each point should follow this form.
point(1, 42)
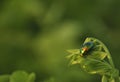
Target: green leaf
point(104, 78)
point(74, 51)
point(4, 78)
point(87, 40)
point(111, 80)
point(74, 56)
point(97, 55)
point(19, 76)
point(31, 77)
point(98, 48)
point(94, 66)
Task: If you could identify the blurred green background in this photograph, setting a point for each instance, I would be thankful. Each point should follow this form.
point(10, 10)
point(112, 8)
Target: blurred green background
point(35, 34)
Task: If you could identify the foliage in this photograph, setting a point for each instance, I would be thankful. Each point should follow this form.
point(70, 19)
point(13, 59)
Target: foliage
point(18, 76)
point(35, 34)
point(95, 60)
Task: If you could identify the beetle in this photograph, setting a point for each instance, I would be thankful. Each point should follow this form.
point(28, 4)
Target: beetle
point(86, 47)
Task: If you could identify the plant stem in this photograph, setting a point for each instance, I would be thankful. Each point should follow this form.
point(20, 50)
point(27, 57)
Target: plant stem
point(116, 79)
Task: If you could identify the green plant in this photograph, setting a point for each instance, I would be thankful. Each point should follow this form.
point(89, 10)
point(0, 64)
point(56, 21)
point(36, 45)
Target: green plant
point(94, 58)
point(18, 76)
